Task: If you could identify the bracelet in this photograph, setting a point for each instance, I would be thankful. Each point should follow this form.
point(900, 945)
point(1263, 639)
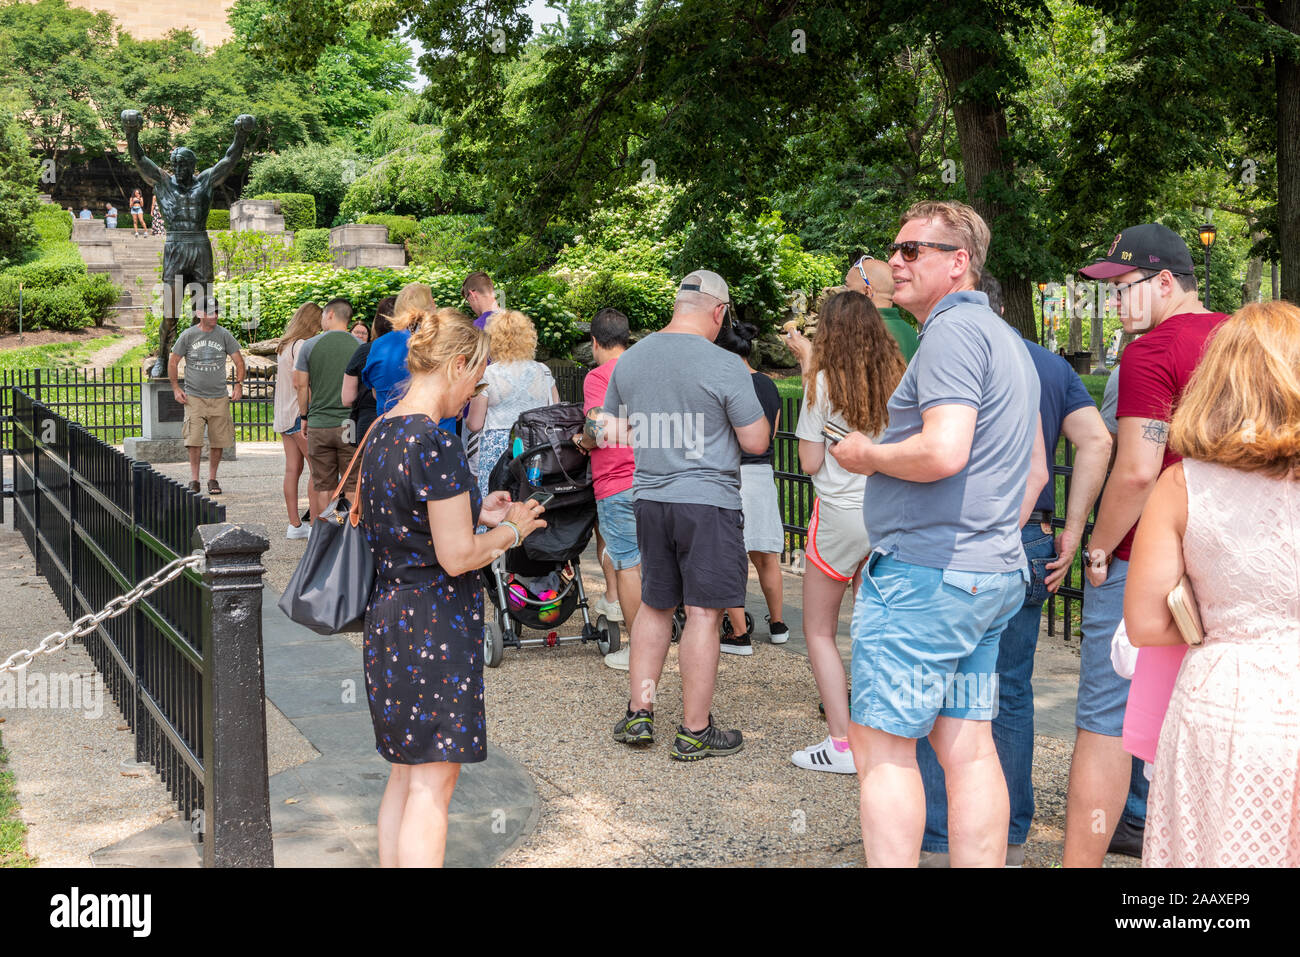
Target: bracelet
point(514, 528)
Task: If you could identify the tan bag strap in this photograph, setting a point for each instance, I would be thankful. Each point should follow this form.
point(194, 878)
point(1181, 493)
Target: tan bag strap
point(354, 514)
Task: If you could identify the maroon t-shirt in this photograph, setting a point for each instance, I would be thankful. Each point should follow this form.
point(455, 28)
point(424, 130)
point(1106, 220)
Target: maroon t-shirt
point(1154, 373)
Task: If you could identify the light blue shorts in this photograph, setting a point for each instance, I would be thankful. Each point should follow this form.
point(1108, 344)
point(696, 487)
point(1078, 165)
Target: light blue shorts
point(617, 521)
point(1103, 694)
point(925, 643)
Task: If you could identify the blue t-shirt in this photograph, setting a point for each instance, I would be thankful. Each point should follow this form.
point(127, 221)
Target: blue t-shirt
point(969, 521)
point(386, 370)
point(1061, 392)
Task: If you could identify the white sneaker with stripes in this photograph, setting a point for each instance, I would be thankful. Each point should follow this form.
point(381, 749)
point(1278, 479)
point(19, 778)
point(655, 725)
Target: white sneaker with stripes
point(822, 756)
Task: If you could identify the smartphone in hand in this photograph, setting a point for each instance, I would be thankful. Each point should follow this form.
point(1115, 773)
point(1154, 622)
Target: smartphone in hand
point(542, 498)
point(833, 432)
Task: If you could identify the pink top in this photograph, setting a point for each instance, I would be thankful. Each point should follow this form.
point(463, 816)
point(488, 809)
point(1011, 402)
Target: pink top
point(612, 467)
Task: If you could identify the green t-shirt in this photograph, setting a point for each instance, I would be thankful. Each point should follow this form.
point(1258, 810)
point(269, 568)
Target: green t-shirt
point(901, 330)
point(325, 358)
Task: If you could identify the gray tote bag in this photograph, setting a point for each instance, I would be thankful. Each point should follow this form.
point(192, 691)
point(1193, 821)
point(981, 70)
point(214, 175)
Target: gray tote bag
point(331, 586)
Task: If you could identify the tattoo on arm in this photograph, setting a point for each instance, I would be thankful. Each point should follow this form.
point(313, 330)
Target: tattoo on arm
point(1155, 431)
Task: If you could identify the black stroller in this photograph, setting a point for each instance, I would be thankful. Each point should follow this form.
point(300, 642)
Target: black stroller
point(539, 584)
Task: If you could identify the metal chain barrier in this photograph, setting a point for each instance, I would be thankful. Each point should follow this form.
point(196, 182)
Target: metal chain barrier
point(89, 622)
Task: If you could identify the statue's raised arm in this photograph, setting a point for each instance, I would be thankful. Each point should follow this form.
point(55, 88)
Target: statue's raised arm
point(133, 122)
point(218, 174)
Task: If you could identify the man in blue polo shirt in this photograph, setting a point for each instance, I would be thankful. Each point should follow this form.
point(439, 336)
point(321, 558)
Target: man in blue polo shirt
point(952, 481)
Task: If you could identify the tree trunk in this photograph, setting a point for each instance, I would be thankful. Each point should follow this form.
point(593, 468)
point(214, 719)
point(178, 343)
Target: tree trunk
point(1286, 13)
point(981, 127)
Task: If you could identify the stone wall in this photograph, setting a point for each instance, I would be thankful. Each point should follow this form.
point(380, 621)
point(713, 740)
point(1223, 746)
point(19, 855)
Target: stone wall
point(151, 19)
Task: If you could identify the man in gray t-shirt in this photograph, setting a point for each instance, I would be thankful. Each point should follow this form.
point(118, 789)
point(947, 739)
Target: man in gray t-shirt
point(951, 482)
point(204, 347)
point(687, 408)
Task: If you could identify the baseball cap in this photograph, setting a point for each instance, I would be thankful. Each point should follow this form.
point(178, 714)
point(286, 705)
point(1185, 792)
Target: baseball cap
point(206, 306)
point(1149, 246)
point(709, 283)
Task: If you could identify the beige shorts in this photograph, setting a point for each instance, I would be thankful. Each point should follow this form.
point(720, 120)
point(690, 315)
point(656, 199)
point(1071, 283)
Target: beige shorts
point(214, 412)
point(837, 540)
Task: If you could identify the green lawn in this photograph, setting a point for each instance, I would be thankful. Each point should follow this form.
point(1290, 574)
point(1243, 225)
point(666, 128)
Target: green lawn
point(12, 829)
point(56, 355)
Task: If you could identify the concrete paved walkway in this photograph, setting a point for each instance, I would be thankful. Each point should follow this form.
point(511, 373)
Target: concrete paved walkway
point(323, 812)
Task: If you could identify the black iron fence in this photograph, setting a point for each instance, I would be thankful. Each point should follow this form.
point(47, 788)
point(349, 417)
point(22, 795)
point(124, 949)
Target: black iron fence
point(106, 402)
point(98, 523)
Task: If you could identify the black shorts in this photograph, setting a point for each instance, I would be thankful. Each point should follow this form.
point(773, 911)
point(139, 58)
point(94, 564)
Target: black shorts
point(692, 555)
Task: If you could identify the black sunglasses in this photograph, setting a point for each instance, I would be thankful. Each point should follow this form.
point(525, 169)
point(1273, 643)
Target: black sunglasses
point(912, 248)
point(1124, 287)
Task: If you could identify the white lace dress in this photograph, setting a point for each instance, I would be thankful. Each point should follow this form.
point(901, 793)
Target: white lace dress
point(1224, 789)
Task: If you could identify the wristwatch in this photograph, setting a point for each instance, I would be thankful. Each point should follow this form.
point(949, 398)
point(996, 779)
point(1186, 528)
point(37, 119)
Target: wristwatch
point(1105, 563)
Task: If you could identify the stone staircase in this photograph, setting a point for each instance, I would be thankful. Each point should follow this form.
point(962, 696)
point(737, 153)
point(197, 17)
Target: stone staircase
point(132, 262)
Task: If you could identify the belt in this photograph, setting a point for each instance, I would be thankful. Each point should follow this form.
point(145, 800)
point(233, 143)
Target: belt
point(1040, 515)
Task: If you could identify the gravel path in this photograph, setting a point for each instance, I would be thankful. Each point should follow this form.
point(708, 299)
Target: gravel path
point(109, 354)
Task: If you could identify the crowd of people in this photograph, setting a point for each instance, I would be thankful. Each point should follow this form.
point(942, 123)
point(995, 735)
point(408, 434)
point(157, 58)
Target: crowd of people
point(930, 453)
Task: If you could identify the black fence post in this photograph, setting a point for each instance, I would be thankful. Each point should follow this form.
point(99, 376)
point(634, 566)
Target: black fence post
point(237, 797)
point(138, 470)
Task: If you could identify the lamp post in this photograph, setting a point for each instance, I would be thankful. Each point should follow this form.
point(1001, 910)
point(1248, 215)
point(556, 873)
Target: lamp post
point(1207, 233)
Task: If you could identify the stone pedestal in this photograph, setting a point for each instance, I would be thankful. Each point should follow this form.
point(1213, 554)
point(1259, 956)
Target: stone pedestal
point(160, 421)
point(356, 245)
point(256, 215)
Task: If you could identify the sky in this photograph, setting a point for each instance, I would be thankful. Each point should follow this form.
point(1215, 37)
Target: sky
point(537, 11)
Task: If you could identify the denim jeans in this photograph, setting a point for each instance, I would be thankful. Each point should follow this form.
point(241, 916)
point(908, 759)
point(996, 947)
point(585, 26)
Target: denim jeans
point(1013, 725)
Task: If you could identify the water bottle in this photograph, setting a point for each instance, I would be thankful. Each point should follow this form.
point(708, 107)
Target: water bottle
point(535, 470)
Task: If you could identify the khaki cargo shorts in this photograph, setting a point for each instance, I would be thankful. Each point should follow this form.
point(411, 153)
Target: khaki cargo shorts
point(214, 412)
point(329, 454)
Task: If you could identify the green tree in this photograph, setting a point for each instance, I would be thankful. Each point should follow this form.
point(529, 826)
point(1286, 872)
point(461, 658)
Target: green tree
point(52, 63)
point(324, 171)
point(18, 198)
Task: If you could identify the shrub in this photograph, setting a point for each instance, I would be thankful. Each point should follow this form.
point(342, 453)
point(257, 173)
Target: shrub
point(807, 271)
point(237, 253)
point(646, 298)
point(312, 245)
point(323, 171)
point(18, 198)
point(453, 239)
point(55, 269)
point(61, 308)
point(299, 209)
point(542, 299)
point(98, 295)
point(400, 228)
point(218, 219)
point(52, 223)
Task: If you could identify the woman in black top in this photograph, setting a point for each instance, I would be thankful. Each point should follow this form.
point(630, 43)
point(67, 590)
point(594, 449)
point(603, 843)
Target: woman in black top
point(362, 401)
point(764, 530)
point(424, 625)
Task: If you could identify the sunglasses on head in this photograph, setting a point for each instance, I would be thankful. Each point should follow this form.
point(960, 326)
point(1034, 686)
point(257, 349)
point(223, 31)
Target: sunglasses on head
point(862, 272)
point(912, 248)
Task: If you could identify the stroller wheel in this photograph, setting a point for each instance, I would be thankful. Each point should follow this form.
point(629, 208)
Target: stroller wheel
point(607, 636)
point(493, 646)
point(726, 624)
point(679, 622)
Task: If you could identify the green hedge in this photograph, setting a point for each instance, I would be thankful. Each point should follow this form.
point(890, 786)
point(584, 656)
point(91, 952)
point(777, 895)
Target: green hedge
point(277, 293)
point(299, 209)
point(52, 223)
point(646, 298)
point(218, 219)
point(453, 239)
point(312, 245)
point(73, 305)
point(400, 228)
